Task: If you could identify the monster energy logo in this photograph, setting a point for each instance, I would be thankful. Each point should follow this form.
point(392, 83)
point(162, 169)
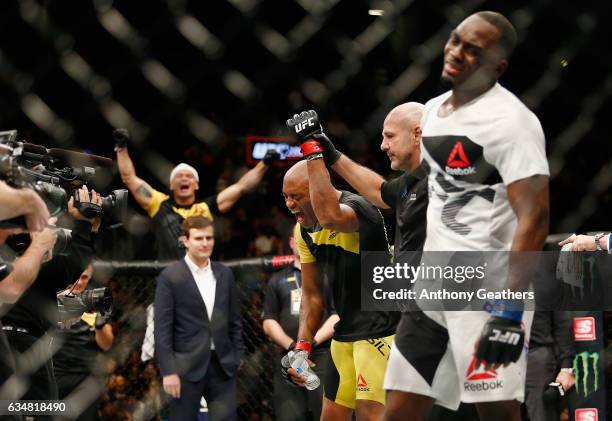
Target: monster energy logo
point(586, 369)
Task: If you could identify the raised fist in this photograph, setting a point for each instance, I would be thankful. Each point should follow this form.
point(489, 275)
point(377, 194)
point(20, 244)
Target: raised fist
point(122, 137)
point(304, 125)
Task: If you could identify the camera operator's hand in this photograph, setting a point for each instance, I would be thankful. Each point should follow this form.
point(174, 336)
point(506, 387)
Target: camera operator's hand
point(37, 213)
point(100, 321)
point(45, 240)
point(85, 197)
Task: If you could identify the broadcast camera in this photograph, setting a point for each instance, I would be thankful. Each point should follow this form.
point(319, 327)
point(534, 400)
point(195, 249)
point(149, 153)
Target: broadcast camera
point(55, 175)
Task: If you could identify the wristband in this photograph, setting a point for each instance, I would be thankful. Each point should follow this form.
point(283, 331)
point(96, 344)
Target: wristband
point(314, 156)
point(303, 346)
point(291, 346)
point(507, 309)
point(597, 238)
point(311, 147)
point(609, 243)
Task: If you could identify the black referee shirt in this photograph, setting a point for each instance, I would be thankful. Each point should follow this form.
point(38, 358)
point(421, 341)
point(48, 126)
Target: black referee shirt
point(282, 302)
point(407, 195)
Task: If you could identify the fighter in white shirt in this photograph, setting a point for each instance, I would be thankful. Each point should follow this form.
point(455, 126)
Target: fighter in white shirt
point(488, 191)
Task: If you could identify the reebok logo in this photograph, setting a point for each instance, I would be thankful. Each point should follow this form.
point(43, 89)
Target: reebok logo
point(333, 235)
point(481, 380)
point(584, 328)
point(362, 385)
point(586, 414)
point(303, 124)
point(458, 163)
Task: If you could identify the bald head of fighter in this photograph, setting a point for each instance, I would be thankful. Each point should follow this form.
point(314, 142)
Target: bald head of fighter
point(297, 194)
point(401, 136)
point(476, 53)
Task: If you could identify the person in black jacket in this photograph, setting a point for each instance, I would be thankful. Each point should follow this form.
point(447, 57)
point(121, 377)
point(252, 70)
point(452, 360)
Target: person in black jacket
point(198, 329)
point(29, 320)
point(281, 321)
point(550, 359)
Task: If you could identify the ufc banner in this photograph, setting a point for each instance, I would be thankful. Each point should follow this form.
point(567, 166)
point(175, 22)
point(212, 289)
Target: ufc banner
point(589, 399)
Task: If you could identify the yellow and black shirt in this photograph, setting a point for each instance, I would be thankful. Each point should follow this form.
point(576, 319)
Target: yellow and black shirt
point(338, 257)
point(167, 219)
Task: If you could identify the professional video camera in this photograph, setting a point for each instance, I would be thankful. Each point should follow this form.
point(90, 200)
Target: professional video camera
point(71, 305)
point(56, 174)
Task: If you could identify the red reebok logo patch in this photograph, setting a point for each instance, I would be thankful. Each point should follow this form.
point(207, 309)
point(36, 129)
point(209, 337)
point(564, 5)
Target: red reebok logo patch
point(361, 381)
point(457, 157)
point(485, 375)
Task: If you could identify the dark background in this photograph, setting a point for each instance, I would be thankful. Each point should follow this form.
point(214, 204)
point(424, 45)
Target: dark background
point(191, 79)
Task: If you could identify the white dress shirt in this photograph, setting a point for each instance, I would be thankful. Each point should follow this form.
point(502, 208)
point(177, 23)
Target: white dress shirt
point(207, 285)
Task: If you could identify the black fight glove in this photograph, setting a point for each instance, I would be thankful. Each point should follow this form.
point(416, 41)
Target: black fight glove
point(270, 157)
point(122, 137)
point(304, 126)
point(313, 142)
point(501, 341)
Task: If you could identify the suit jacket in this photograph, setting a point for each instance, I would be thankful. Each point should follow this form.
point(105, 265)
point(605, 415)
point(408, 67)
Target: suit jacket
point(183, 330)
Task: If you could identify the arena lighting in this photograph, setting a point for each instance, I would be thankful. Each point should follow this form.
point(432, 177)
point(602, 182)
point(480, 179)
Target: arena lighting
point(376, 12)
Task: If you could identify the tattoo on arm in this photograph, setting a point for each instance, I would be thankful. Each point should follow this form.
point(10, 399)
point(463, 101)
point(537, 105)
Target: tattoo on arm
point(144, 190)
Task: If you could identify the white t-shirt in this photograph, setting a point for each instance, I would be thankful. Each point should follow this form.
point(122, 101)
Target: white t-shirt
point(473, 155)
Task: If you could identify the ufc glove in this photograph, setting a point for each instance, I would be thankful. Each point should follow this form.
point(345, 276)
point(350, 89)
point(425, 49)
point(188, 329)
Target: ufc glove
point(304, 126)
point(502, 338)
point(313, 141)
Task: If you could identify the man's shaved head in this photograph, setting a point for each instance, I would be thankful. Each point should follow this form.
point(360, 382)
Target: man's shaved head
point(410, 113)
point(507, 33)
point(298, 173)
point(401, 136)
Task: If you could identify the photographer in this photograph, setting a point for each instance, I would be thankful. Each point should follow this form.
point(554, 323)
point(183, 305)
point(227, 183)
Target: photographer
point(76, 364)
point(27, 322)
point(17, 202)
point(12, 286)
point(25, 268)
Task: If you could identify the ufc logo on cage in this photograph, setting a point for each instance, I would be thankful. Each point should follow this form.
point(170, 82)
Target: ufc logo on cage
point(584, 328)
point(586, 414)
point(511, 338)
point(302, 125)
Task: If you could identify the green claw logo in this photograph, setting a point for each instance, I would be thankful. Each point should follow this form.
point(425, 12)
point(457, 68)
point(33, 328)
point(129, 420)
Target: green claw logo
point(586, 369)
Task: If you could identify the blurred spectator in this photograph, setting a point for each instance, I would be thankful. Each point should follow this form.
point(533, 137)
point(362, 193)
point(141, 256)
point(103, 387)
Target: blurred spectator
point(168, 211)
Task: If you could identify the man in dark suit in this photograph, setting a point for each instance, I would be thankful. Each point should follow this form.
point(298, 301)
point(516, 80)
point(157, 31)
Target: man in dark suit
point(198, 331)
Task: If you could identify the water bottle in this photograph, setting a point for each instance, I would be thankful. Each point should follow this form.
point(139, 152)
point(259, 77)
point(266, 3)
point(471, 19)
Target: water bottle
point(297, 361)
